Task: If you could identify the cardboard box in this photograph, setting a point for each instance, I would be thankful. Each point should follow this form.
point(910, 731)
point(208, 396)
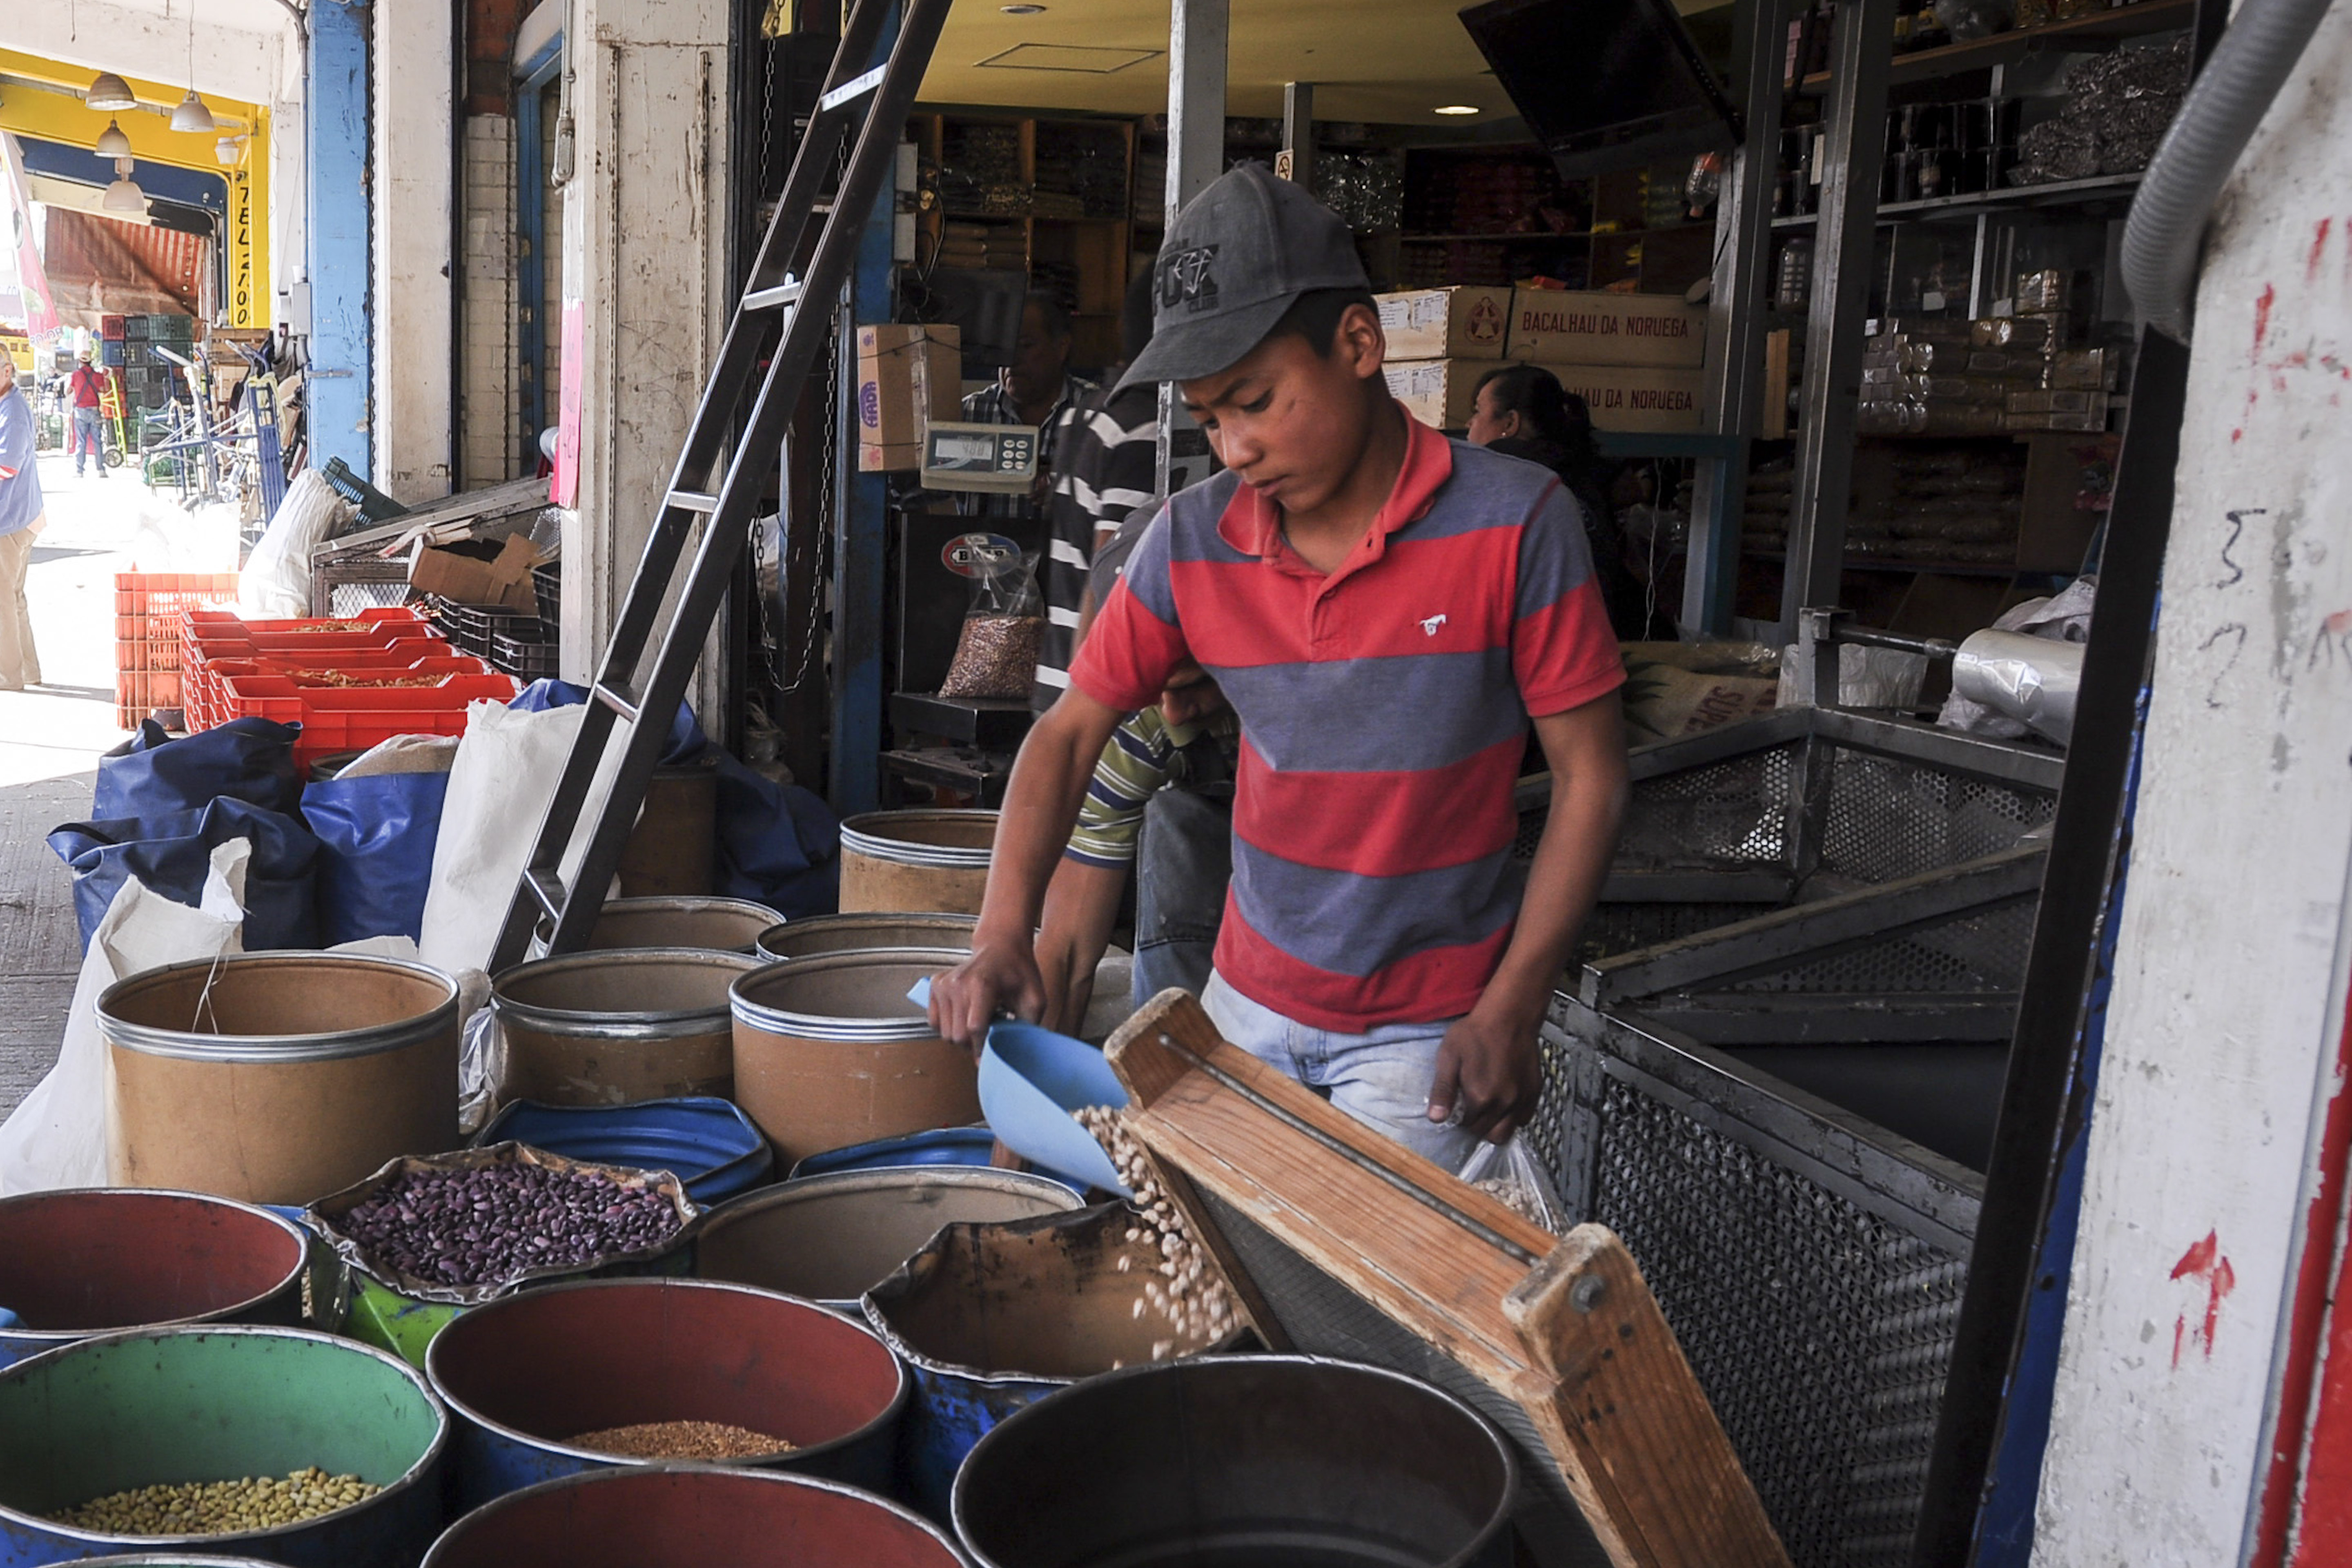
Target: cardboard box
point(907, 376)
point(1439, 392)
point(1644, 398)
point(469, 575)
point(1442, 392)
point(875, 457)
point(1463, 323)
point(1554, 326)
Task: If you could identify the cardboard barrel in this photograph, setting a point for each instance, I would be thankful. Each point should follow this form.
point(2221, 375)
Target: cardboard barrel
point(715, 925)
point(618, 1026)
point(862, 933)
point(916, 862)
point(829, 1052)
point(273, 1078)
point(669, 852)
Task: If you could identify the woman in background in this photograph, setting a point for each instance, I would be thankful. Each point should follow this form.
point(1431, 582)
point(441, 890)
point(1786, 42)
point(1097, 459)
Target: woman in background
point(1522, 411)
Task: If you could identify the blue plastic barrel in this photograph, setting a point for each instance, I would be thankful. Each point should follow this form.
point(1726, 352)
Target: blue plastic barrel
point(704, 1141)
point(941, 1146)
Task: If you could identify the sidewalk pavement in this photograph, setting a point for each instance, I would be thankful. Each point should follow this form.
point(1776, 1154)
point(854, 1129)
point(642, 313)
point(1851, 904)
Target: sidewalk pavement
point(51, 735)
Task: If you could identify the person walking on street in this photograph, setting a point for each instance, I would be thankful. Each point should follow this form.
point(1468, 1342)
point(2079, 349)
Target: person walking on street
point(21, 517)
point(84, 391)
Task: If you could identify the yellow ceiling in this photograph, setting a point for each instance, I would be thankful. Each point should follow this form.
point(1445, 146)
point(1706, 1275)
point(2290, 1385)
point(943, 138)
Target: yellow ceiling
point(1385, 61)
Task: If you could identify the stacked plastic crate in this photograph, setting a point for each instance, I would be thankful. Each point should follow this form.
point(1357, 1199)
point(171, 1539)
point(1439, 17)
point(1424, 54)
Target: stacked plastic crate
point(350, 683)
point(149, 616)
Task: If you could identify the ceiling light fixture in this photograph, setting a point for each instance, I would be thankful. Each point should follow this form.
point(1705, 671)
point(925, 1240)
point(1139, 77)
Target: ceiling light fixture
point(122, 196)
point(1023, 10)
point(112, 143)
point(191, 116)
point(1456, 109)
point(110, 94)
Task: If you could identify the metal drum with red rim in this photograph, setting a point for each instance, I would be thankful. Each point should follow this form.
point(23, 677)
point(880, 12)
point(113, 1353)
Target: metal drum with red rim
point(88, 1260)
point(667, 1518)
point(525, 1375)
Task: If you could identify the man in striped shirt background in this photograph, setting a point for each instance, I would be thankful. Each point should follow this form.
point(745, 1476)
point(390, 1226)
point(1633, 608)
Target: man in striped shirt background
point(1386, 611)
point(1106, 461)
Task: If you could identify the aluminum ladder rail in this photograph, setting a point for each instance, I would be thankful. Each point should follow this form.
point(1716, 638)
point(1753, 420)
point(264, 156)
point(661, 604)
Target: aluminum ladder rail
point(870, 105)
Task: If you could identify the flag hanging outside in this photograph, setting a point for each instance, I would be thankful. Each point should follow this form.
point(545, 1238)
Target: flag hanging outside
point(33, 303)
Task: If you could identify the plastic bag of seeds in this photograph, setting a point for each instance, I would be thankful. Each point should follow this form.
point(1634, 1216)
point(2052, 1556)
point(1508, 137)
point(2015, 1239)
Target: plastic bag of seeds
point(1003, 627)
point(474, 1225)
point(1510, 1172)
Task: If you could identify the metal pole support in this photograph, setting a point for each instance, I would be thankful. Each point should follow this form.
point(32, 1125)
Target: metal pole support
point(1197, 35)
point(1737, 323)
point(1864, 44)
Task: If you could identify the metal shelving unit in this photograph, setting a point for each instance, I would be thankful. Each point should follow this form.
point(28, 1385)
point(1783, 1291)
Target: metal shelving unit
point(1864, 67)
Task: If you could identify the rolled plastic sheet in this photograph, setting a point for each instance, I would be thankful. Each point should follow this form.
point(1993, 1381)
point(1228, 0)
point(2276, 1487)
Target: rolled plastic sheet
point(2031, 680)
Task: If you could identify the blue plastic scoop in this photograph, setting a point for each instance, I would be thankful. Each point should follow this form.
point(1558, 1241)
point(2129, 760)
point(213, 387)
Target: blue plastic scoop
point(1031, 1079)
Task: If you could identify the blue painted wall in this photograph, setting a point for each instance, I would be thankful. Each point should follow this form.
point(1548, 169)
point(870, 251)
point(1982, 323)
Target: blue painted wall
point(859, 554)
point(336, 388)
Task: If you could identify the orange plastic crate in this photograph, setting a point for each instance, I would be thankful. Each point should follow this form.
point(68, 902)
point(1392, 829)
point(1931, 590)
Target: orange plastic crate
point(355, 717)
point(150, 610)
point(410, 656)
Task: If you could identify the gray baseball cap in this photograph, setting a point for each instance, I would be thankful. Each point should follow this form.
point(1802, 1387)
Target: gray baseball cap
point(1236, 258)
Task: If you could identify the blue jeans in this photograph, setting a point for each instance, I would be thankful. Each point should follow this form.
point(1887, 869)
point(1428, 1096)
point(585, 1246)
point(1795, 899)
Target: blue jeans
point(1381, 1078)
point(89, 439)
point(1183, 864)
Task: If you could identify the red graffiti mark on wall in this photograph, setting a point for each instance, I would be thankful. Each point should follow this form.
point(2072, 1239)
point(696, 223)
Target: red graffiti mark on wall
point(2263, 303)
point(2203, 1261)
point(2318, 249)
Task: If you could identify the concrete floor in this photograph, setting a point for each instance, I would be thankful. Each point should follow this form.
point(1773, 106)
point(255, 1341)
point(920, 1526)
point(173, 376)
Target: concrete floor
point(51, 736)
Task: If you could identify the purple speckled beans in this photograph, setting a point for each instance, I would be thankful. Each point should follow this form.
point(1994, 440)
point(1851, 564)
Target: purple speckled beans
point(486, 1227)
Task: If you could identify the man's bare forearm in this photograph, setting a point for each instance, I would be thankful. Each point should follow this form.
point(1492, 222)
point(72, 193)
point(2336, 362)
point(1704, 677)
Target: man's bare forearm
point(1586, 752)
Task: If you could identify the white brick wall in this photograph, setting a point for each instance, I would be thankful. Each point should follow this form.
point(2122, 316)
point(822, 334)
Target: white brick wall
point(490, 438)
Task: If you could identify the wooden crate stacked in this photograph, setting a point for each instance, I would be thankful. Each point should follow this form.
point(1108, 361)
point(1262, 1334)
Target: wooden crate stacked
point(149, 609)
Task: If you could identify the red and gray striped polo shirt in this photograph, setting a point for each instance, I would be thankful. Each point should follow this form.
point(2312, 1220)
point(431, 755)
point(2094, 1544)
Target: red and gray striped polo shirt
point(1384, 715)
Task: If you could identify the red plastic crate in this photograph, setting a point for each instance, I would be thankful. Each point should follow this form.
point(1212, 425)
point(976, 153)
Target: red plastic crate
point(149, 612)
point(428, 655)
point(355, 717)
point(140, 693)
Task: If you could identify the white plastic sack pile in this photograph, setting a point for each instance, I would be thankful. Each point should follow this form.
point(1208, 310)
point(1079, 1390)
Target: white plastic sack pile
point(504, 777)
point(276, 582)
point(57, 1137)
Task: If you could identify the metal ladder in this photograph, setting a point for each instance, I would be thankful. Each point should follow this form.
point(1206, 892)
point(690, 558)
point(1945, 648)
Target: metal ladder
point(710, 490)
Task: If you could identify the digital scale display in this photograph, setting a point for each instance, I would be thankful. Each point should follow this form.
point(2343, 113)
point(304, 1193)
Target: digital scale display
point(980, 457)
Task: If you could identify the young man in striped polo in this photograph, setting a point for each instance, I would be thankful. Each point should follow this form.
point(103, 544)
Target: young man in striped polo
point(1386, 611)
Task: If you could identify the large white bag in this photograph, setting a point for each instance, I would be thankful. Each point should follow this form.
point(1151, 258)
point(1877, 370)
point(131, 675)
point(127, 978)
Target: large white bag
point(500, 786)
point(276, 582)
point(56, 1136)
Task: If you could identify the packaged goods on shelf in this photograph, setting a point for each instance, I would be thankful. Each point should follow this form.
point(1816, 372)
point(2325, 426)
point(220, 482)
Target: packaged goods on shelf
point(1440, 392)
point(1555, 326)
point(1642, 399)
point(1634, 399)
point(1461, 322)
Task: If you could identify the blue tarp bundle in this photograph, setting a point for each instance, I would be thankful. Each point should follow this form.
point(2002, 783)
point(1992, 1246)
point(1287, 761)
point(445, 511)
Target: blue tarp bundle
point(778, 845)
point(171, 853)
point(375, 863)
